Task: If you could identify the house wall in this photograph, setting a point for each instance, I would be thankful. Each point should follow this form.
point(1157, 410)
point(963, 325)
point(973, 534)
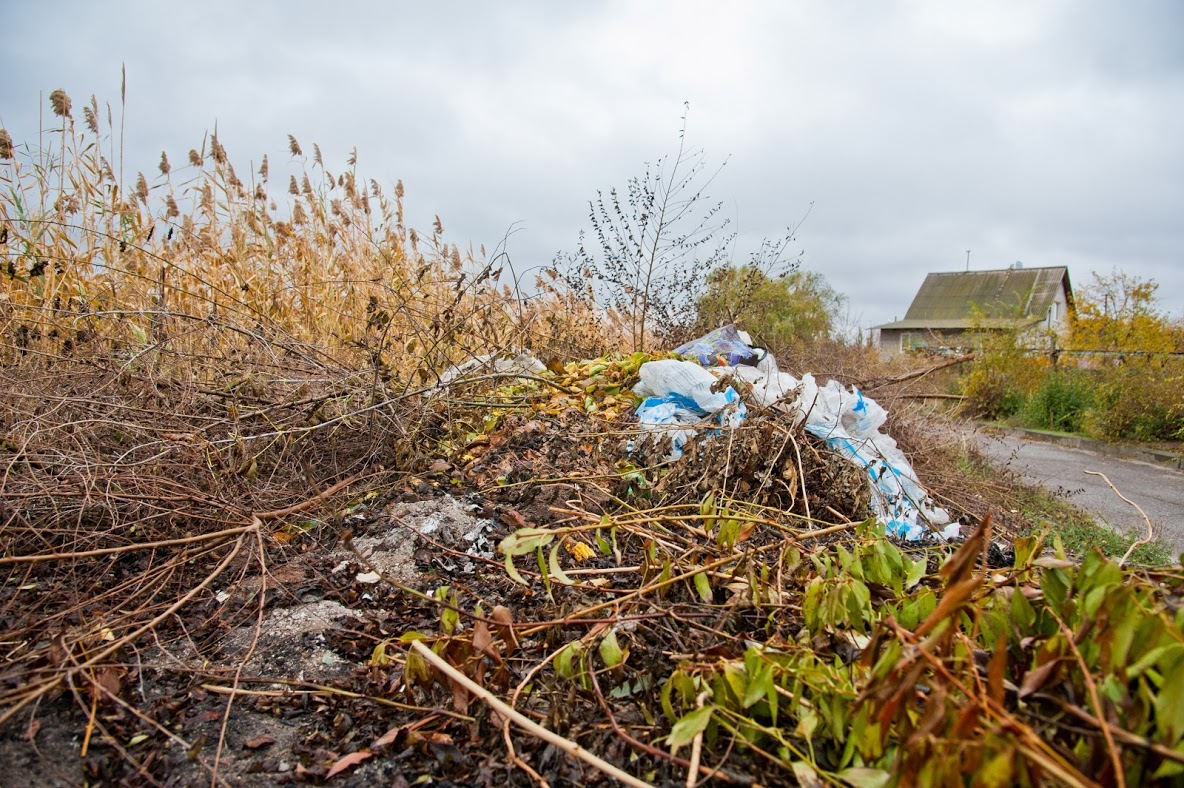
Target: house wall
point(893, 341)
point(1058, 313)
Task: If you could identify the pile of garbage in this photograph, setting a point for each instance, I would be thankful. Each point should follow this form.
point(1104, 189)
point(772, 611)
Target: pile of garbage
point(682, 403)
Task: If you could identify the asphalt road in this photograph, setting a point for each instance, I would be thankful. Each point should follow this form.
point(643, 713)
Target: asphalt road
point(1158, 490)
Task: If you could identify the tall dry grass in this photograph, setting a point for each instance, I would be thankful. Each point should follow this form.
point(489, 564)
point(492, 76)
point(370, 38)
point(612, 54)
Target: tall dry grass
point(190, 358)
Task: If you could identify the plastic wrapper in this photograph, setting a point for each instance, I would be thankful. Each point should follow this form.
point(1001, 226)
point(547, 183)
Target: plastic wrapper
point(725, 346)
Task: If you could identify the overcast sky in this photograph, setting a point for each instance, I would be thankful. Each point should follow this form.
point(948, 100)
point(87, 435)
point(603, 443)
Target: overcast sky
point(1045, 132)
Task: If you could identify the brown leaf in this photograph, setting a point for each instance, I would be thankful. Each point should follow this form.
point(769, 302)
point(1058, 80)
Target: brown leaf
point(1036, 678)
point(996, 667)
point(346, 761)
point(967, 721)
point(951, 599)
point(514, 519)
point(502, 615)
point(460, 697)
point(960, 565)
point(107, 684)
point(483, 641)
point(388, 737)
point(259, 741)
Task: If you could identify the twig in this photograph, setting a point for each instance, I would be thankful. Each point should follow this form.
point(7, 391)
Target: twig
point(1150, 537)
point(880, 383)
point(691, 765)
point(296, 508)
point(33, 559)
point(527, 724)
point(250, 652)
point(1123, 735)
point(50, 683)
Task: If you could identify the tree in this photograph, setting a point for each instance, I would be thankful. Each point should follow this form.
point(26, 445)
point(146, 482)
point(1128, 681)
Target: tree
point(1117, 313)
point(651, 246)
point(794, 307)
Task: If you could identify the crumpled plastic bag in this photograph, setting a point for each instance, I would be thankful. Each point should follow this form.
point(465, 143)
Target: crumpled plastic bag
point(679, 395)
point(725, 346)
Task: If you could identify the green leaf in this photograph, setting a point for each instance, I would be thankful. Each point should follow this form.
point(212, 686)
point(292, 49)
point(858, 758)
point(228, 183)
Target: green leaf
point(808, 723)
point(610, 649)
point(557, 573)
point(1025, 548)
point(602, 544)
point(524, 540)
point(449, 618)
point(810, 606)
point(999, 771)
point(542, 562)
point(1021, 611)
point(703, 586)
point(1169, 706)
point(1168, 769)
point(512, 571)
point(860, 777)
point(916, 572)
point(690, 726)
point(567, 661)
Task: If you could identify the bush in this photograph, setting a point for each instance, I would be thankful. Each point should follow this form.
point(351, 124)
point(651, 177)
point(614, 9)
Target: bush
point(1061, 402)
point(1001, 377)
point(1141, 401)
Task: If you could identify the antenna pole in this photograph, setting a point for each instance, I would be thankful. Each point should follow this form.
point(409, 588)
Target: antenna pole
point(967, 259)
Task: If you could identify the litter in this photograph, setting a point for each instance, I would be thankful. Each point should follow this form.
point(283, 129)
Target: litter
point(522, 363)
point(679, 398)
point(725, 346)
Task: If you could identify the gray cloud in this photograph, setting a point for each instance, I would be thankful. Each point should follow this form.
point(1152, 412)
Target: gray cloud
point(1043, 132)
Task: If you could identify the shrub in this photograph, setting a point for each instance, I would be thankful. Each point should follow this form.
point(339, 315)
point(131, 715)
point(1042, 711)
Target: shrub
point(1001, 377)
point(1060, 402)
point(1140, 400)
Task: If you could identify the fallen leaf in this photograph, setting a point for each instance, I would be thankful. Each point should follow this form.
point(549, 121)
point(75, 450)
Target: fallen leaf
point(1036, 678)
point(259, 741)
point(502, 615)
point(388, 737)
point(513, 519)
point(346, 761)
point(483, 641)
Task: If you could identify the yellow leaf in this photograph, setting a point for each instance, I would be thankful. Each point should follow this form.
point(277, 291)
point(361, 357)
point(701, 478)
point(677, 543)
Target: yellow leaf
point(579, 550)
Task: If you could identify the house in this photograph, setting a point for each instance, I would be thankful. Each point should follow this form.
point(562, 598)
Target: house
point(951, 308)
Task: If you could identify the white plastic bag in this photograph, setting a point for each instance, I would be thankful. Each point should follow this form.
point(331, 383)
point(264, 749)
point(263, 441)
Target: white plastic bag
point(678, 396)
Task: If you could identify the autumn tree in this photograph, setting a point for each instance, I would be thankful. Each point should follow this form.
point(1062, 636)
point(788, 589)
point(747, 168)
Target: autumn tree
point(797, 306)
point(1117, 313)
point(1138, 382)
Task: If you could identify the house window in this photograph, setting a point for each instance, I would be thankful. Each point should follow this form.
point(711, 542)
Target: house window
point(1052, 314)
point(913, 340)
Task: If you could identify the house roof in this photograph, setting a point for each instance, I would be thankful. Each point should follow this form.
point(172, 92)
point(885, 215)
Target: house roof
point(965, 299)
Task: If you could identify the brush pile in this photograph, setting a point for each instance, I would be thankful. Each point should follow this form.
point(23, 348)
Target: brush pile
point(256, 532)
